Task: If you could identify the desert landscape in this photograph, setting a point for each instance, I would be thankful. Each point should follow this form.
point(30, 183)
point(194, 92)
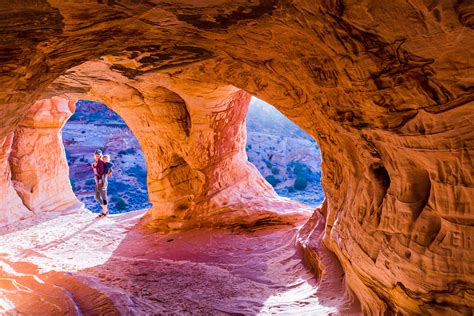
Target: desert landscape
point(385, 88)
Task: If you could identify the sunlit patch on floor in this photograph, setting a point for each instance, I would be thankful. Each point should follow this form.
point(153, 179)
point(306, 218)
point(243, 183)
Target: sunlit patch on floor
point(135, 270)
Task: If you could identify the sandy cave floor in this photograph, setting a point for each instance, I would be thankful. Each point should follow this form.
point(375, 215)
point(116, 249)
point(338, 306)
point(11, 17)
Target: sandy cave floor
point(194, 272)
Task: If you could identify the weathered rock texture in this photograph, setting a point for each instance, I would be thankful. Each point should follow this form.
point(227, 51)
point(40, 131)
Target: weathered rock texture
point(33, 166)
point(385, 87)
point(11, 206)
point(37, 160)
point(75, 265)
point(193, 138)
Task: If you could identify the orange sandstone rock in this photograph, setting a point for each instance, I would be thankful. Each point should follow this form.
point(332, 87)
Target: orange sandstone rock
point(385, 87)
point(38, 162)
point(193, 138)
point(11, 206)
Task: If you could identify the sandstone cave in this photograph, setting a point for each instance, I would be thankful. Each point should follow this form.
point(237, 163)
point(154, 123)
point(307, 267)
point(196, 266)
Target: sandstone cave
point(384, 87)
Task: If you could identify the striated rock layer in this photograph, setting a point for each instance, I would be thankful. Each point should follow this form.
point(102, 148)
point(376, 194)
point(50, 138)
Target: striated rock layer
point(35, 174)
point(38, 162)
point(385, 87)
point(11, 206)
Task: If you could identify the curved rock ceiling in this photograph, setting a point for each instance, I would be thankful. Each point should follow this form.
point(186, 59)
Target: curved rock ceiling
point(385, 87)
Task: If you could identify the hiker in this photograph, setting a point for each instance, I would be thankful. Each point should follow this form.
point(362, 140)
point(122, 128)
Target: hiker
point(100, 191)
point(105, 183)
point(107, 173)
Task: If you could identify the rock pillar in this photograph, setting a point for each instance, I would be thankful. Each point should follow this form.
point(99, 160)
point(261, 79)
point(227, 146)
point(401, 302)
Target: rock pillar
point(40, 171)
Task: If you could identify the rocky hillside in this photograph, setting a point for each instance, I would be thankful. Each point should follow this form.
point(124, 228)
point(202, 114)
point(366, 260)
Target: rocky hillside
point(283, 153)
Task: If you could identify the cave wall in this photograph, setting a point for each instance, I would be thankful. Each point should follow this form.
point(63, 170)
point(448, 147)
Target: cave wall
point(11, 206)
point(37, 160)
point(385, 87)
point(35, 172)
point(193, 138)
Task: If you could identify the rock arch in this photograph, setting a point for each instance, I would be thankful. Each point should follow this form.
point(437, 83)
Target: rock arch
point(35, 169)
point(392, 112)
point(193, 138)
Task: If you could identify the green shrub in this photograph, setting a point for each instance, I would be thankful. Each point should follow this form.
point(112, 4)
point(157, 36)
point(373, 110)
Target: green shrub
point(121, 205)
point(90, 182)
point(129, 151)
point(301, 182)
point(115, 198)
point(299, 168)
point(268, 163)
point(275, 170)
point(272, 180)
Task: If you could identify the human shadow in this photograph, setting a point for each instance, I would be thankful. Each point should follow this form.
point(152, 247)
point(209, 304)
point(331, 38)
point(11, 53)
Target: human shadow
point(65, 239)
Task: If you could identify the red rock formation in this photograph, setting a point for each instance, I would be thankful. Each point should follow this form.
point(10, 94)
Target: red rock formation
point(193, 138)
point(25, 290)
point(385, 87)
point(40, 172)
point(11, 206)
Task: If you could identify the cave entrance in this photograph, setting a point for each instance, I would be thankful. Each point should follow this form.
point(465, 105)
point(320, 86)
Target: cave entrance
point(95, 126)
point(285, 155)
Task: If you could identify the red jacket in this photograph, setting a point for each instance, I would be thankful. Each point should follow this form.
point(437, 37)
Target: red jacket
point(99, 166)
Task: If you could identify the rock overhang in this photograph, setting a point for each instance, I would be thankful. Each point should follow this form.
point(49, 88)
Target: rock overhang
point(390, 110)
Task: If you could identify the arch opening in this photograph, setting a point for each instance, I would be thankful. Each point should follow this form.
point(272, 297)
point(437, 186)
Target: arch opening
point(284, 154)
point(200, 126)
point(195, 180)
point(287, 157)
point(93, 126)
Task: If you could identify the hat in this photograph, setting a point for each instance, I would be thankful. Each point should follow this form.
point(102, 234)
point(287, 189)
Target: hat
point(98, 151)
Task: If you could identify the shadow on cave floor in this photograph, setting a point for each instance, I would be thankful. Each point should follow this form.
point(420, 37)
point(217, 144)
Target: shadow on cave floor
point(194, 272)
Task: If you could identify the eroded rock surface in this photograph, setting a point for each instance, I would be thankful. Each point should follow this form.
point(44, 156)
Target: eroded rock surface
point(78, 264)
point(193, 138)
point(40, 172)
point(11, 206)
point(385, 87)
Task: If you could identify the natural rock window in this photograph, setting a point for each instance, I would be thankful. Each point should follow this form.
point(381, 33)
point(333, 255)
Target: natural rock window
point(286, 156)
point(92, 126)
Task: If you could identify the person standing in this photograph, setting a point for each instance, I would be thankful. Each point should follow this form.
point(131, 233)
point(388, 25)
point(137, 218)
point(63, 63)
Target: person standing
point(108, 166)
point(98, 168)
